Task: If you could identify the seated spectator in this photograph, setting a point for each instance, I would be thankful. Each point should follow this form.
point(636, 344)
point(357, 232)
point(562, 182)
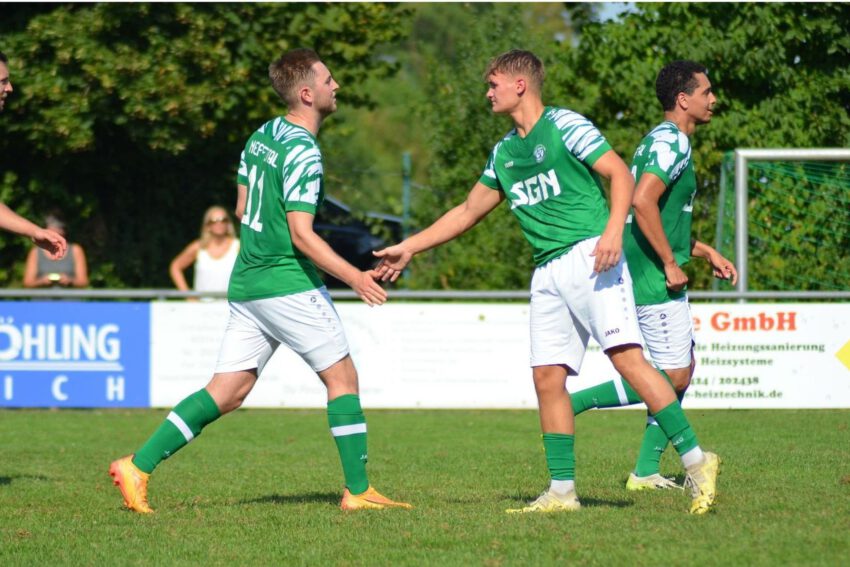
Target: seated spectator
point(69, 271)
point(213, 254)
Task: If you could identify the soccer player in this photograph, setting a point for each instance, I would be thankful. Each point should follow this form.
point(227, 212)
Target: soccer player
point(657, 244)
point(275, 294)
point(548, 168)
point(52, 242)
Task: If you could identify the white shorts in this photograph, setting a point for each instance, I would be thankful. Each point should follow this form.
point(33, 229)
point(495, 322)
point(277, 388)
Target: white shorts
point(668, 332)
point(305, 322)
point(570, 303)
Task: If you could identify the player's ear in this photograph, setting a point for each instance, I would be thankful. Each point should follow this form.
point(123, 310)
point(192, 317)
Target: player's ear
point(521, 85)
point(682, 100)
point(306, 95)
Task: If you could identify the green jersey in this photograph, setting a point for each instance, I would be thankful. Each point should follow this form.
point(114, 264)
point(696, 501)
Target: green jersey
point(665, 152)
point(281, 166)
point(547, 177)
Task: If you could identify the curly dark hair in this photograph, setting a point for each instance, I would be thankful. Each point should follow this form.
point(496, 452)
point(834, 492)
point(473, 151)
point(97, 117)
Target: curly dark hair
point(674, 78)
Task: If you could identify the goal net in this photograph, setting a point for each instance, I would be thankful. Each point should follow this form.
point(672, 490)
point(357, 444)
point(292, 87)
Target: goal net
point(797, 230)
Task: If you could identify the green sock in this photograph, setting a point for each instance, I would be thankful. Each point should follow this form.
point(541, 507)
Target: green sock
point(348, 427)
point(651, 448)
point(183, 424)
point(560, 455)
point(611, 394)
point(676, 427)
point(654, 443)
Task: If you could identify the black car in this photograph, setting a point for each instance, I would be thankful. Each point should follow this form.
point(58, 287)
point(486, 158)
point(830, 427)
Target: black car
point(354, 237)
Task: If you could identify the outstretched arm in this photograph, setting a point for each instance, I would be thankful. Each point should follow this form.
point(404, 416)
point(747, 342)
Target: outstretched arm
point(322, 255)
point(51, 241)
point(609, 249)
point(648, 216)
point(479, 202)
point(723, 268)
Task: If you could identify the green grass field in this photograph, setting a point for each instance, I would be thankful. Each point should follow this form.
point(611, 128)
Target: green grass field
point(261, 487)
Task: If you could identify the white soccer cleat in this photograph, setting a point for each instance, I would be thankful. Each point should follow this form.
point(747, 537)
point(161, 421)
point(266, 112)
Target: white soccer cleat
point(650, 482)
point(550, 502)
point(702, 480)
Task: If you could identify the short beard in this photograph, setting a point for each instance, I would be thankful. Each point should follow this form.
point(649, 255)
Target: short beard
point(327, 111)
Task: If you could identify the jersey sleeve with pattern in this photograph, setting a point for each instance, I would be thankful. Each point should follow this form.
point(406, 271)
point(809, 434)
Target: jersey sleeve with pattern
point(281, 166)
point(548, 178)
point(666, 153)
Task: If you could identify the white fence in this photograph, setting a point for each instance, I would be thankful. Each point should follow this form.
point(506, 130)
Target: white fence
point(475, 355)
point(414, 354)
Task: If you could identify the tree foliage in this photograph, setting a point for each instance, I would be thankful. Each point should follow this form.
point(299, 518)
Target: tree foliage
point(131, 117)
point(461, 132)
point(779, 70)
point(798, 225)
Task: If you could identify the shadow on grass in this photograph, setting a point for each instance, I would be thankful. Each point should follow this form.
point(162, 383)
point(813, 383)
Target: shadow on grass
point(467, 500)
point(585, 501)
point(7, 480)
point(599, 502)
point(308, 498)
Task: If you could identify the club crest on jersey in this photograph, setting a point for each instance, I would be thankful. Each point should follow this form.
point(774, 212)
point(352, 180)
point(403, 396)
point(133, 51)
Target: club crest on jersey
point(539, 153)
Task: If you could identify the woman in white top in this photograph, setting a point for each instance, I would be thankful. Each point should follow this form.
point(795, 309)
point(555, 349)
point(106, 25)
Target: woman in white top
point(213, 254)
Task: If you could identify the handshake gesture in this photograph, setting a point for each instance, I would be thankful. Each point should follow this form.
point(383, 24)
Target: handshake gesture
point(367, 284)
point(393, 260)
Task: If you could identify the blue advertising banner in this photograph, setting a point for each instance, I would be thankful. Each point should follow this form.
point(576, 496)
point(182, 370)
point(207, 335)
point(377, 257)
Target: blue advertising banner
point(74, 354)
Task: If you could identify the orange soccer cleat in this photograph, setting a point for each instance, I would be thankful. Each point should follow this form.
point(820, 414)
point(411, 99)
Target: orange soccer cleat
point(133, 484)
point(369, 500)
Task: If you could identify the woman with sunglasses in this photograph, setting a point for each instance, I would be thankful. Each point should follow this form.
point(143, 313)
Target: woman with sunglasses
point(213, 254)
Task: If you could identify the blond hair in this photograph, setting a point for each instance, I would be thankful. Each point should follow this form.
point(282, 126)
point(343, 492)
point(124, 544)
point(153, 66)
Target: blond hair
point(206, 234)
point(518, 62)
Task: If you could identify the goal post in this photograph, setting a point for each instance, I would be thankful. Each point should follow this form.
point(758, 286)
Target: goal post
point(743, 158)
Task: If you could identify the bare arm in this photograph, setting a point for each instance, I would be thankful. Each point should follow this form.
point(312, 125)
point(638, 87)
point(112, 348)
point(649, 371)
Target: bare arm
point(31, 271)
point(648, 216)
point(241, 198)
point(322, 255)
point(723, 268)
point(609, 249)
point(181, 262)
point(81, 268)
point(478, 204)
point(51, 241)
point(13, 222)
